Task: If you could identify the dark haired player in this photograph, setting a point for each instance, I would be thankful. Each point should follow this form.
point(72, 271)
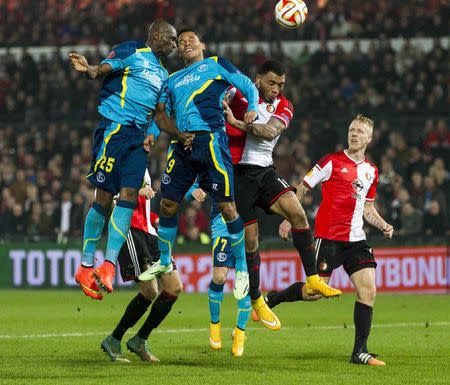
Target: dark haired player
point(195, 94)
point(134, 81)
point(257, 183)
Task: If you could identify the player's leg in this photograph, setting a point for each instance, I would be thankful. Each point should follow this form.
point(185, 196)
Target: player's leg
point(176, 180)
point(215, 297)
point(132, 260)
point(171, 287)
point(215, 173)
point(122, 168)
point(359, 263)
point(288, 206)
point(95, 219)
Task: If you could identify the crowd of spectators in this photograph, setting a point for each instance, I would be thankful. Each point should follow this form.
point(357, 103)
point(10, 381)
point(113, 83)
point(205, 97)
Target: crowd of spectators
point(48, 114)
point(59, 22)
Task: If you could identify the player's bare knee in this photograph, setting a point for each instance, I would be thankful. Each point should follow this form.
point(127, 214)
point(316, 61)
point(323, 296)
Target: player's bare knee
point(129, 194)
point(366, 294)
point(297, 218)
point(172, 284)
point(168, 208)
point(103, 198)
point(176, 289)
point(149, 290)
point(219, 276)
point(228, 211)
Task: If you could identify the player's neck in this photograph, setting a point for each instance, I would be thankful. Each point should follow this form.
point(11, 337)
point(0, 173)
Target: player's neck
point(356, 154)
point(188, 63)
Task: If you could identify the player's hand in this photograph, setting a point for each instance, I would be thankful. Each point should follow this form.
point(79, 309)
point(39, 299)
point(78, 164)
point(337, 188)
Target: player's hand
point(79, 62)
point(229, 116)
point(149, 141)
point(199, 195)
point(388, 230)
point(187, 139)
point(147, 192)
point(250, 117)
point(284, 230)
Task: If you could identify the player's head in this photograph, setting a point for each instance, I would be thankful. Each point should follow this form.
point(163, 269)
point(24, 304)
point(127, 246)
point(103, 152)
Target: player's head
point(270, 80)
point(360, 132)
point(190, 45)
point(162, 37)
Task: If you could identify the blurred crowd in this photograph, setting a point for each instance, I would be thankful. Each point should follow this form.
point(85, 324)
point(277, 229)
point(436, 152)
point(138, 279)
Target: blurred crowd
point(48, 114)
point(59, 22)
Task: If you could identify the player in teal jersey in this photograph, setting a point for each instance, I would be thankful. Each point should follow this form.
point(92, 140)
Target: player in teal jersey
point(133, 84)
point(223, 259)
point(195, 94)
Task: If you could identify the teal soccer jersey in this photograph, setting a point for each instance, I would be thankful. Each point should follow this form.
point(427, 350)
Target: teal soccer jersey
point(130, 93)
point(195, 93)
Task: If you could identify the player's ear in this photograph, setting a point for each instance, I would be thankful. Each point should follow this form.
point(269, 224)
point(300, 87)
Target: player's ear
point(203, 46)
point(257, 79)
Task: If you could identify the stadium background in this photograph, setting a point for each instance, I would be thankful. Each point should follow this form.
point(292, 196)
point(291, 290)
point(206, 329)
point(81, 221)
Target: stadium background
point(386, 59)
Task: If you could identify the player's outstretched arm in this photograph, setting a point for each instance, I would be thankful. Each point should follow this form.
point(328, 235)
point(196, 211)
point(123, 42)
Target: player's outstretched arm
point(372, 216)
point(268, 131)
point(166, 124)
point(80, 64)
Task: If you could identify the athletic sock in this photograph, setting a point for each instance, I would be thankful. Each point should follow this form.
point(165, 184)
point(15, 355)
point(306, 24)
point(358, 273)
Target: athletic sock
point(253, 263)
point(237, 240)
point(304, 243)
point(290, 294)
point(119, 224)
point(167, 232)
point(244, 308)
point(93, 227)
point(134, 311)
point(362, 317)
point(215, 298)
point(160, 309)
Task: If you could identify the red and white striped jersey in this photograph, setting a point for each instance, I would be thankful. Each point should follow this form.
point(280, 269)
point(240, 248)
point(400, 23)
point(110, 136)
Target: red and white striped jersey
point(246, 148)
point(346, 186)
point(143, 219)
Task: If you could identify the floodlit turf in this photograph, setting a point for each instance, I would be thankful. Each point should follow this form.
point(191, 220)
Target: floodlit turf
point(53, 337)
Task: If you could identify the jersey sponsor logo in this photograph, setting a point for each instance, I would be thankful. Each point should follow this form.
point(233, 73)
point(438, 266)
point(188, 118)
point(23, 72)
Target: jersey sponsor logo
point(151, 77)
point(100, 177)
point(221, 257)
point(166, 179)
point(344, 170)
point(357, 185)
point(202, 68)
point(270, 108)
point(186, 80)
point(111, 55)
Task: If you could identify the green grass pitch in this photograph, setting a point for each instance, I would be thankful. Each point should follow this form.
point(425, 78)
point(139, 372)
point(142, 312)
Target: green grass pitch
point(53, 337)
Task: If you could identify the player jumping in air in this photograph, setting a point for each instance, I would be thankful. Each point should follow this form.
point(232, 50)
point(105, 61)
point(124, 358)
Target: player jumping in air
point(223, 260)
point(257, 183)
point(349, 185)
point(134, 81)
point(194, 95)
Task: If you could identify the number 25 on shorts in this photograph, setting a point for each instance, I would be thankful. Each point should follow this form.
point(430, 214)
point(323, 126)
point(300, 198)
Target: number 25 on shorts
point(170, 165)
point(109, 164)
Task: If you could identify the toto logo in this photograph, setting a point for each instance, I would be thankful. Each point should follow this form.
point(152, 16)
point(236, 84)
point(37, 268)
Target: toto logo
point(202, 68)
point(166, 179)
point(100, 177)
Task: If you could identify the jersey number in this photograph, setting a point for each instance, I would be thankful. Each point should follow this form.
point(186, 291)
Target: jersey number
point(109, 163)
point(224, 243)
point(170, 165)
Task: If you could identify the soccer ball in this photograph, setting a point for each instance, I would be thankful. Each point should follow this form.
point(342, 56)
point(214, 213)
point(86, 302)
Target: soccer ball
point(291, 13)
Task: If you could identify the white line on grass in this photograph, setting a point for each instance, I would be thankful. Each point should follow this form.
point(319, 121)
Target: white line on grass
point(203, 330)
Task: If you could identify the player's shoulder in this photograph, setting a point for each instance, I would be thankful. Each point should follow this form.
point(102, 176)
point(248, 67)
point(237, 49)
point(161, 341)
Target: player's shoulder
point(225, 63)
point(126, 49)
point(371, 165)
point(334, 156)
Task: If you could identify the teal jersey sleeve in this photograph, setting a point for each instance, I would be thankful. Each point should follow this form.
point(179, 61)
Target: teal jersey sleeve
point(243, 83)
point(194, 187)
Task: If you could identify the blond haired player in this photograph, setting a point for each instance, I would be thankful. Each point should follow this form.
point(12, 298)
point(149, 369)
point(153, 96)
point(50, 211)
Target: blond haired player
point(349, 185)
